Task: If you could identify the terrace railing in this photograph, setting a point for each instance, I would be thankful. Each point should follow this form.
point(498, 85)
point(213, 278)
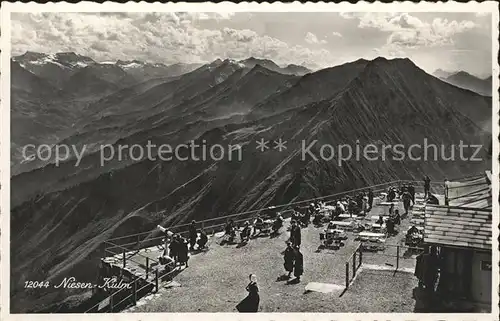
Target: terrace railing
point(129, 245)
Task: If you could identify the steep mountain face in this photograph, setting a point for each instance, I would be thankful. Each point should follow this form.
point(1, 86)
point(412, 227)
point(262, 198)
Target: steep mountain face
point(310, 88)
point(56, 68)
point(97, 79)
point(271, 65)
point(379, 102)
point(25, 81)
point(465, 80)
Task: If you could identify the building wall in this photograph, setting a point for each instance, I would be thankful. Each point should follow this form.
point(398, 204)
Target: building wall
point(481, 286)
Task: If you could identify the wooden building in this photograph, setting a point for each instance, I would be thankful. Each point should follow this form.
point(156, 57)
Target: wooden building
point(462, 233)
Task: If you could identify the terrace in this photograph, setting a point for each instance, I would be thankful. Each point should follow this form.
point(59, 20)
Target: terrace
point(215, 279)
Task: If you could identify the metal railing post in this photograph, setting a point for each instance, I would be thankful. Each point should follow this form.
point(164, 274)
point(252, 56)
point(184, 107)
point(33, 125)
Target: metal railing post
point(354, 265)
point(147, 267)
point(156, 280)
point(124, 258)
point(360, 255)
point(135, 291)
point(346, 275)
point(397, 258)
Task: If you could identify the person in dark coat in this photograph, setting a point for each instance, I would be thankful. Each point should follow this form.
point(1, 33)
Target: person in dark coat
point(174, 248)
point(295, 234)
point(411, 190)
point(251, 302)
point(298, 266)
point(245, 233)
point(370, 199)
point(427, 186)
point(183, 252)
point(193, 235)
point(406, 201)
point(289, 257)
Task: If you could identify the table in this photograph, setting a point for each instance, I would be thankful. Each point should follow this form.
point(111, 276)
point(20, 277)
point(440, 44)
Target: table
point(387, 203)
point(375, 217)
point(345, 215)
point(341, 223)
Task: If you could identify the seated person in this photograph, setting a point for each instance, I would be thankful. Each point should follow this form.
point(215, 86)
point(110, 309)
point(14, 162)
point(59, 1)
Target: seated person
point(245, 233)
point(331, 226)
point(391, 195)
point(258, 224)
point(305, 219)
point(339, 208)
point(380, 220)
point(277, 224)
point(317, 219)
point(390, 226)
point(432, 199)
point(396, 217)
point(202, 241)
point(229, 231)
point(411, 234)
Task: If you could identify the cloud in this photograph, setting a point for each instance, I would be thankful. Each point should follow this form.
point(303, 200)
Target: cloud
point(313, 40)
point(337, 34)
point(407, 31)
point(154, 37)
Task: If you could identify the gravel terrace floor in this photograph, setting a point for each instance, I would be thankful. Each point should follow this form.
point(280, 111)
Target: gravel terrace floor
point(215, 280)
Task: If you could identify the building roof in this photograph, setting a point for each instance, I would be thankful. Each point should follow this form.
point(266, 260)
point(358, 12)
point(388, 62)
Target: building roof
point(473, 192)
point(458, 227)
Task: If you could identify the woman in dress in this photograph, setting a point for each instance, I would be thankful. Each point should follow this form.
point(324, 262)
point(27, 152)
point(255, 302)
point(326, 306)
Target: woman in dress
point(298, 268)
point(251, 302)
point(289, 257)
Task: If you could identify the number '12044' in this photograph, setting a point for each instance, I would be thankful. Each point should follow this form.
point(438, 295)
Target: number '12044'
point(36, 284)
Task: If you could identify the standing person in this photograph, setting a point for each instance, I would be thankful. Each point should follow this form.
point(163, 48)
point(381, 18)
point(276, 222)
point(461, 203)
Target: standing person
point(193, 235)
point(431, 270)
point(174, 248)
point(298, 267)
point(411, 190)
point(427, 186)
point(370, 199)
point(295, 234)
point(289, 257)
point(406, 201)
point(251, 302)
point(183, 254)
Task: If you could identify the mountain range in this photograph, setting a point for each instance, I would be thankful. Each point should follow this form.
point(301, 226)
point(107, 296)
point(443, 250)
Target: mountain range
point(62, 214)
point(465, 80)
point(74, 84)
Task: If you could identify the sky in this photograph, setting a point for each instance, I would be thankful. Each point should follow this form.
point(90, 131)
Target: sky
point(449, 41)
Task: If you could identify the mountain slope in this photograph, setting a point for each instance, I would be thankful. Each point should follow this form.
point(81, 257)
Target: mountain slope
point(465, 80)
point(56, 68)
point(271, 65)
point(310, 88)
point(390, 102)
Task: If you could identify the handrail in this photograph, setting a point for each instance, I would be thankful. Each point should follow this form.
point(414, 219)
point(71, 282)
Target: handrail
point(124, 248)
point(130, 295)
point(137, 235)
point(268, 208)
